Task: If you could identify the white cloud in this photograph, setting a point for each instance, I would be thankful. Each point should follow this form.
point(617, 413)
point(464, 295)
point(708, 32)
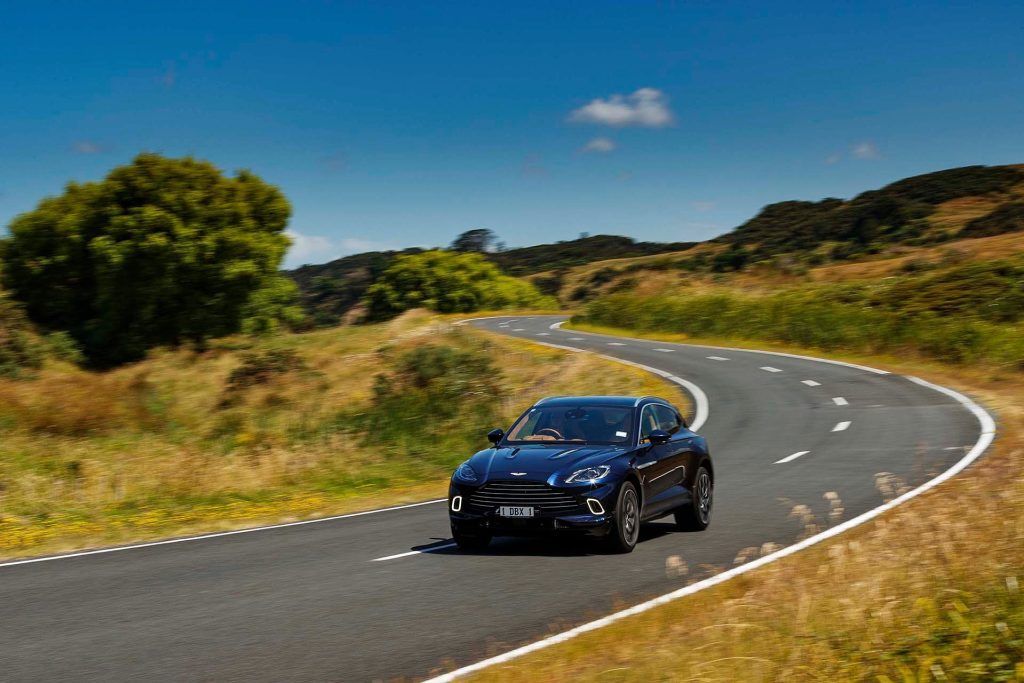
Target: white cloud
point(866, 150)
point(833, 158)
point(703, 206)
point(599, 146)
point(647, 107)
point(87, 147)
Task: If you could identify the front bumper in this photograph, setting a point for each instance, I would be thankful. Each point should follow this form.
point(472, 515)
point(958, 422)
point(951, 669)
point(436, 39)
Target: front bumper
point(473, 519)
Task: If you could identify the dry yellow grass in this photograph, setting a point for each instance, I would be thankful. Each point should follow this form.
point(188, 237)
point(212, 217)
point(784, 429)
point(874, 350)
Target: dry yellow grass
point(929, 592)
point(164, 448)
point(892, 261)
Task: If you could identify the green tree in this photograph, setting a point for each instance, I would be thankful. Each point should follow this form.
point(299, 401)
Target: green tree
point(160, 252)
point(479, 240)
point(449, 282)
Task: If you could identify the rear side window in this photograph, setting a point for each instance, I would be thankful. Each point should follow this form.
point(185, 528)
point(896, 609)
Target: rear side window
point(667, 419)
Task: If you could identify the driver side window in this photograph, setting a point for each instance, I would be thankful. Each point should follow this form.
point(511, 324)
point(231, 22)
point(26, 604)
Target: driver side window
point(667, 419)
point(648, 422)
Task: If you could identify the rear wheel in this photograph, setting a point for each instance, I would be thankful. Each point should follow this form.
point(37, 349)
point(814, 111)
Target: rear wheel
point(696, 515)
point(470, 541)
point(626, 525)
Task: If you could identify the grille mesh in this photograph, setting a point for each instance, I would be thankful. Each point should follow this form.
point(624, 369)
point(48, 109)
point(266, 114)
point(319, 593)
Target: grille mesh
point(527, 493)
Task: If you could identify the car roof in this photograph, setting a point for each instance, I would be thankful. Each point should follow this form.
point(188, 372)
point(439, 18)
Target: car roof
point(625, 401)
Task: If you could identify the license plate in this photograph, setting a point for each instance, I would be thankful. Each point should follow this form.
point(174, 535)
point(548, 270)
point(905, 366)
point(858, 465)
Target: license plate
point(510, 511)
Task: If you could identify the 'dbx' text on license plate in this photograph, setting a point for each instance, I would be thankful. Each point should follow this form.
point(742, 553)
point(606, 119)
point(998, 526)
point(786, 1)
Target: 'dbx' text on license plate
point(511, 511)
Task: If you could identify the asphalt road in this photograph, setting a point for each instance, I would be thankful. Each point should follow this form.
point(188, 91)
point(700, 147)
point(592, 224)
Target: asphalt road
point(310, 602)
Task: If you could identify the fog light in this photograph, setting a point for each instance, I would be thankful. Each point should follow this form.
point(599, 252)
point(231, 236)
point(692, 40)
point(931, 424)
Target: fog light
point(595, 506)
point(456, 503)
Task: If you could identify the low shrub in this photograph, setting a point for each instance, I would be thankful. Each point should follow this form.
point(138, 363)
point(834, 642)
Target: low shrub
point(262, 366)
point(421, 406)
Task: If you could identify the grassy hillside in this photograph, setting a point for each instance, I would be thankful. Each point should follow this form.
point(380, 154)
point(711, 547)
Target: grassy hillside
point(913, 211)
point(958, 313)
point(265, 429)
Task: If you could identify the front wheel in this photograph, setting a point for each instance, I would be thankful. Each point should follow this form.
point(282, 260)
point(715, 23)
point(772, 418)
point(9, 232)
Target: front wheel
point(696, 515)
point(626, 525)
point(470, 541)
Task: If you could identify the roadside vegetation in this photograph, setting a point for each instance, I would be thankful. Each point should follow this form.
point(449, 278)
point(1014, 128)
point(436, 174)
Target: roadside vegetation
point(968, 313)
point(929, 592)
point(265, 429)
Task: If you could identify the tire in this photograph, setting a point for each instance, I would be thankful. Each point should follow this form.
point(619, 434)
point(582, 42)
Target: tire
point(470, 542)
point(696, 515)
point(626, 525)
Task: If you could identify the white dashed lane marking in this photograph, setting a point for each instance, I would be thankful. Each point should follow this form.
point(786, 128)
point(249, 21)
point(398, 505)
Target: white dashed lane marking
point(543, 334)
point(790, 458)
point(716, 358)
point(575, 338)
point(841, 427)
point(615, 344)
point(840, 401)
point(768, 368)
point(664, 350)
point(518, 329)
point(414, 552)
point(811, 383)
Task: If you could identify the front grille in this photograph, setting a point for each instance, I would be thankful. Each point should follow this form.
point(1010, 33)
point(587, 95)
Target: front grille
point(527, 493)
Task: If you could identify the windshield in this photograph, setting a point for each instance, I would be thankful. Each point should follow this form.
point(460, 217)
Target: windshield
point(574, 424)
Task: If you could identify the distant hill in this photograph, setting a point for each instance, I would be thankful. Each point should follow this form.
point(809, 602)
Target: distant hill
point(972, 201)
point(543, 257)
point(332, 289)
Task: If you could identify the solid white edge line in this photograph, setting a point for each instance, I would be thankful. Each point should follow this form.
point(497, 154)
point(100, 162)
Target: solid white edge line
point(218, 534)
point(414, 552)
point(842, 426)
point(790, 458)
point(988, 430)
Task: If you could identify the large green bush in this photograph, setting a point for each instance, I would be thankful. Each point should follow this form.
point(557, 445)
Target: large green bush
point(160, 252)
point(448, 282)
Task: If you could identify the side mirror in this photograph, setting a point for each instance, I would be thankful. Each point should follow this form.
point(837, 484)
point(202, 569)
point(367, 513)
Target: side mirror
point(659, 436)
point(495, 435)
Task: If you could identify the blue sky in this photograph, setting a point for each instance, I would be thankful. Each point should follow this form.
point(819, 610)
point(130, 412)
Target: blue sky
point(397, 124)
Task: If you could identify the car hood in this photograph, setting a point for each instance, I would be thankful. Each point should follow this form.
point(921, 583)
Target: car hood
point(539, 461)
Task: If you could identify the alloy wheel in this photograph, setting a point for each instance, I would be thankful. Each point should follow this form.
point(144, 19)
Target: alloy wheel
point(704, 493)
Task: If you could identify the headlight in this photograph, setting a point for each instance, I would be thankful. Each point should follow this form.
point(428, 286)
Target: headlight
point(465, 472)
point(590, 474)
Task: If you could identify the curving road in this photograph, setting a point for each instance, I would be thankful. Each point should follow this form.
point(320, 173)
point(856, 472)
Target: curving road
point(383, 595)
